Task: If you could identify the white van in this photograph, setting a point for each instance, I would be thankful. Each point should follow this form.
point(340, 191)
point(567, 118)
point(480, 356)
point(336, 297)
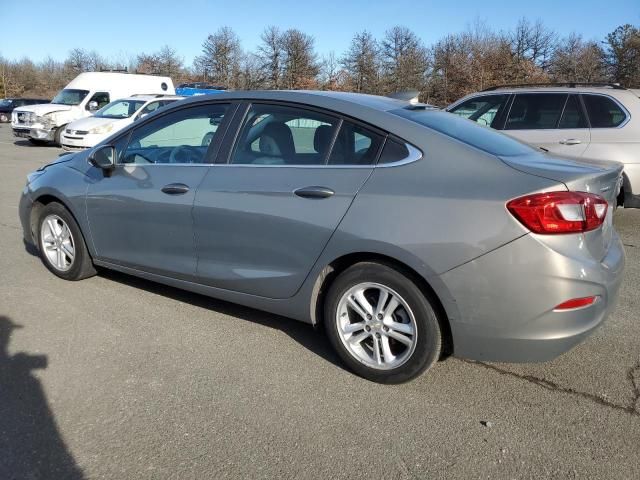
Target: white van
point(83, 96)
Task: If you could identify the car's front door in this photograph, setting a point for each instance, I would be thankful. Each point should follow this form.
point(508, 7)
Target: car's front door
point(140, 214)
point(553, 121)
point(262, 220)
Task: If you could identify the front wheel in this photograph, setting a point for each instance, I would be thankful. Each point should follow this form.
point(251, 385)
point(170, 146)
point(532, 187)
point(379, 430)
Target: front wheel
point(381, 324)
point(61, 244)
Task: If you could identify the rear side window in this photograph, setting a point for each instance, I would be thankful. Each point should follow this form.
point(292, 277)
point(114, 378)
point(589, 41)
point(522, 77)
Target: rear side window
point(485, 110)
point(284, 135)
point(393, 151)
point(603, 111)
point(573, 116)
point(355, 145)
point(535, 111)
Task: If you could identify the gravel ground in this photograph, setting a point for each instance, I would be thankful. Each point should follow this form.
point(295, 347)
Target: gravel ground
point(116, 377)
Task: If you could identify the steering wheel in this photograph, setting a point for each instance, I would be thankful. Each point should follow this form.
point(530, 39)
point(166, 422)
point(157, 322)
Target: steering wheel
point(184, 154)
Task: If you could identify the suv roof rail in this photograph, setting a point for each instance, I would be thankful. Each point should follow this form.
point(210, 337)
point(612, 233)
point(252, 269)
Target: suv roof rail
point(156, 95)
point(116, 70)
point(615, 86)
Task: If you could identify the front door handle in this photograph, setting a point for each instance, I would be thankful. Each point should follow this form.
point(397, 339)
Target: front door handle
point(175, 189)
point(570, 141)
point(314, 192)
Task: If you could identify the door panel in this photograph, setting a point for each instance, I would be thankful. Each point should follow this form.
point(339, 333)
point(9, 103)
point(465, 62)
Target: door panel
point(255, 235)
point(140, 214)
point(134, 223)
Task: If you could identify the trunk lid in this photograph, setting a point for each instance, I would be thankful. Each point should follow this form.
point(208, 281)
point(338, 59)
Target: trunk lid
point(599, 177)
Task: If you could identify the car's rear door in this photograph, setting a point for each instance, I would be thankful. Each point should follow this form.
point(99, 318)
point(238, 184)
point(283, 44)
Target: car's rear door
point(262, 220)
point(553, 121)
point(140, 214)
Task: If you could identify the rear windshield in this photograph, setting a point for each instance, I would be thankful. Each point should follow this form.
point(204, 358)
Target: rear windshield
point(70, 96)
point(466, 131)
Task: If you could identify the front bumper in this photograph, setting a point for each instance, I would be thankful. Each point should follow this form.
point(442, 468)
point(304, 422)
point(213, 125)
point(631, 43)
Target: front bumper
point(632, 185)
point(507, 297)
point(78, 142)
point(35, 132)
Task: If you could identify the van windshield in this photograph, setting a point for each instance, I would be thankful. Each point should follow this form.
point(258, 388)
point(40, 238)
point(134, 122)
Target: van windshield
point(120, 109)
point(70, 96)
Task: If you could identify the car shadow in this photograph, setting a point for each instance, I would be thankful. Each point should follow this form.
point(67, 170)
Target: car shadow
point(303, 333)
point(30, 444)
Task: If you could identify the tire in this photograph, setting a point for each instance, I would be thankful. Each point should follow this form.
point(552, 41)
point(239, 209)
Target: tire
point(4, 118)
point(360, 288)
point(57, 135)
point(64, 253)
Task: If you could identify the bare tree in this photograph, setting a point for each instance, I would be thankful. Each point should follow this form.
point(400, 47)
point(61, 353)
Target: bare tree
point(577, 61)
point(221, 57)
point(300, 64)
point(270, 54)
point(362, 63)
point(404, 60)
point(533, 42)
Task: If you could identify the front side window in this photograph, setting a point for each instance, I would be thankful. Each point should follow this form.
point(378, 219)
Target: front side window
point(603, 111)
point(283, 135)
point(535, 111)
point(70, 96)
point(484, 110)
point(181, 137)
point(120, 109)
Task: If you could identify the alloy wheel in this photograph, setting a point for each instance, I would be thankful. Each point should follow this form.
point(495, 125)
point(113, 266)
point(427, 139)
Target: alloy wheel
point(57, 243)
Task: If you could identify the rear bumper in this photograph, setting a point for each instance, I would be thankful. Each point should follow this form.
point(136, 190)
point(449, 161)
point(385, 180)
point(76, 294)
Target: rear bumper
point(506, 301)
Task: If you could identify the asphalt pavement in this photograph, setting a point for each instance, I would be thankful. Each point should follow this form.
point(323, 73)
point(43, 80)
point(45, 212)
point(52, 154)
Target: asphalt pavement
point(119, 378)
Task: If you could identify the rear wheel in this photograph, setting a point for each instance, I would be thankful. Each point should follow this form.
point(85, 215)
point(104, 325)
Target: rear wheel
point(381, 324)
point(61, 244)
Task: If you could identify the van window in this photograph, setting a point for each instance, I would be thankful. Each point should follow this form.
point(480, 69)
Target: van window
point(102, 98)
point(603, 112)
point(70, 96)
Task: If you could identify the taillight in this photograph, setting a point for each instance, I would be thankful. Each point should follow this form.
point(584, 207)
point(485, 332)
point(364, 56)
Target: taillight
point(559, 212)
point(576, 303)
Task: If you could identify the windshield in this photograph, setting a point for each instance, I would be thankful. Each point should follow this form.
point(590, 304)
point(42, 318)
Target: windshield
point(120, 109)
point(5, 102)
point(466, 131)
point(70, 96)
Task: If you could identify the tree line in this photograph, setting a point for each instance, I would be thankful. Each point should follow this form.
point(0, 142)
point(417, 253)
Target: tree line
point(455, 65)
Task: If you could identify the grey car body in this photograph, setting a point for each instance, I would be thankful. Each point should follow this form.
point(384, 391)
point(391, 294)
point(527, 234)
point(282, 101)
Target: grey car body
point(241, 233)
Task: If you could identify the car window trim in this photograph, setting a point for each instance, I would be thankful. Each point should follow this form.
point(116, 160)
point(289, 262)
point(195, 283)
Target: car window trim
point(233, 106)
point(615, 100)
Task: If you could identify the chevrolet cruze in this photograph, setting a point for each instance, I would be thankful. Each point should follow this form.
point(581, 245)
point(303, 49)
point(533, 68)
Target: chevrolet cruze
point(405, 231)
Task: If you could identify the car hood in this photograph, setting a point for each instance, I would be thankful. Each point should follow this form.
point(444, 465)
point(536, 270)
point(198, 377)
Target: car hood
point(44, 108)
point(91, 122)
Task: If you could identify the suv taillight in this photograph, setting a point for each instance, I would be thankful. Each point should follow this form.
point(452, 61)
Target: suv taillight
point(559, 212)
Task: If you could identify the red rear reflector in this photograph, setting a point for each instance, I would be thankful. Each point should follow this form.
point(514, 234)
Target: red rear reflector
point(559, 212)
point(577, 303)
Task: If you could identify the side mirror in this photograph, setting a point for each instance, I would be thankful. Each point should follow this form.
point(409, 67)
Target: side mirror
point(104, 157)
point(93, 106)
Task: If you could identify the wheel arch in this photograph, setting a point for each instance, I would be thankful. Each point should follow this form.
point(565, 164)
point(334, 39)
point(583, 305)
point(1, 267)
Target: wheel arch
point(331, 271)
point(43, 200)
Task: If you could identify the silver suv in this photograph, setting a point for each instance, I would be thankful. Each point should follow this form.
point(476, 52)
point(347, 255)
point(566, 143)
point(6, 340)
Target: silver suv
point(589, 121)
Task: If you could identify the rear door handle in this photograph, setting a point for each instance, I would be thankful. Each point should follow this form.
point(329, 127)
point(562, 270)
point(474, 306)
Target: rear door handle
point(314, 192)
point(175, 189)
point(570, 141)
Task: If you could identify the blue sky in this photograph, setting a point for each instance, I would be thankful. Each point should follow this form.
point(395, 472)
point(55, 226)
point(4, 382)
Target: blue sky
point(121, 29)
